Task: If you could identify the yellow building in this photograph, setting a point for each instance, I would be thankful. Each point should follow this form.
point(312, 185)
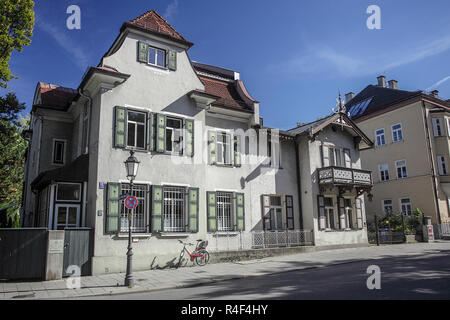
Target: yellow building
point(409, 161)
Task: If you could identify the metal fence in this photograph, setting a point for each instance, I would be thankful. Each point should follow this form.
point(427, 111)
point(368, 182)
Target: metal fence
point(442, 230)
point(235, 241)
point(387, 237)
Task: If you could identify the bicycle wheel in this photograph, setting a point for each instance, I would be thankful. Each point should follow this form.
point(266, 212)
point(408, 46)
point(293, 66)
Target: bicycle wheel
point(201, 261)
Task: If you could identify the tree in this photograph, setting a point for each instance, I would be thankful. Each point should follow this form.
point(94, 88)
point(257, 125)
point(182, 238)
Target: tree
point(16, 29)
point(12, 155)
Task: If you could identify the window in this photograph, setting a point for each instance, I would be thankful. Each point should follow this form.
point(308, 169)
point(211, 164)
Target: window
point(59, 148)
point(397, 134)
point(174, 218)
point(387, 206)
point(139, 213)
point(442, 165)
point(379, 137)
point(335, 156)
point(348, 213)
point(136, 129)
point(174, 135)
point(384, 172)
point(68, 192)
point(223, 148)
point(405, 206)
point(67, 216)
point(272, 212)
point(437, 127)
point(401, 169)
point(157, 57)
point(274, 152)
point(224, 211)
point(329, 213)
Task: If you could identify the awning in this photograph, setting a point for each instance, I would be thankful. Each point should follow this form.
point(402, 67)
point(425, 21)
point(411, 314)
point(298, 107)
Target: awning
point(76, 171)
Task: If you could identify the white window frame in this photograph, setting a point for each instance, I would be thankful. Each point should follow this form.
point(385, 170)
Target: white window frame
point(66, 205)
point(224, 211)
point(173, 130)
point(396, 131)
point(397, 167)
point(73, 183)
point(384, 171)
point(64, 141)
point(438, 127)
point(442, 165)
point(221, 160)
point(380, 135)
point(170, 221)
point(383, 205)
point(157, 52)
point(409, 203)
point(135, 129)
point(327, 214)
point(139, 225)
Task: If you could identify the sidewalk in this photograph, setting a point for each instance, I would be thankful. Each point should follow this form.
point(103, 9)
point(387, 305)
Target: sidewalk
point(194, 276)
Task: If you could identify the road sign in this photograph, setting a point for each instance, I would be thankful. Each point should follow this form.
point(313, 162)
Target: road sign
point(131, 202)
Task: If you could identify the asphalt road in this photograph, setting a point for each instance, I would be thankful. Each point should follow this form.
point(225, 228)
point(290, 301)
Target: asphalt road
point(425, 276)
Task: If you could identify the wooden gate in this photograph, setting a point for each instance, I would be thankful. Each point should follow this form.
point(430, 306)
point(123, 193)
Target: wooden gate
point(77, 250)
point(23, 253)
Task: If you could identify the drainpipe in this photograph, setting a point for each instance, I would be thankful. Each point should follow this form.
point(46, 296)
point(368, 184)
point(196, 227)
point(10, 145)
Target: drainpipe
point(85, 95)
point(430, 153)
point(299, 186)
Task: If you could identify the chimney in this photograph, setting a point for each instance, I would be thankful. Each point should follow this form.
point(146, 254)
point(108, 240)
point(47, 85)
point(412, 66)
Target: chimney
point(435, 93)
point(349, 96)
point(393, 84)
point(381, 81)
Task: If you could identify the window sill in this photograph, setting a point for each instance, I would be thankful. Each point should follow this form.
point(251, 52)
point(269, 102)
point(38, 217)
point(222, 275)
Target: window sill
point(133, 235)
point(222, 165)
point(173, 235)
point(225, 233)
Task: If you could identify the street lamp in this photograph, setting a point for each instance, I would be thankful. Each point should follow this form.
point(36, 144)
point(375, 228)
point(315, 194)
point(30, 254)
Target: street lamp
point(131, 165)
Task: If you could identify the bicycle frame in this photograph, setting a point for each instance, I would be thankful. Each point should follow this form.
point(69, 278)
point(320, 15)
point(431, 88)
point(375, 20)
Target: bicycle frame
point(194, 254)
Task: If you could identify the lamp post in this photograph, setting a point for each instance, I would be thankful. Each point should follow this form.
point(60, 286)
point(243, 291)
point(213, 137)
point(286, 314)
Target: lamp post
point(131, 165)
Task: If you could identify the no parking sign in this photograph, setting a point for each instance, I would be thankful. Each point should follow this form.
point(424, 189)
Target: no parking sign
point(131, 202)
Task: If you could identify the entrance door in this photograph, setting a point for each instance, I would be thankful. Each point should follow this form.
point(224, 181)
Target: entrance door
point(67, 216)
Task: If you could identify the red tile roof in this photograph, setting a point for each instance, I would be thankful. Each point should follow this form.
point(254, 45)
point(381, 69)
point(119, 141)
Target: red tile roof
point(227, 92)
point(55, 96)
point(153, 22)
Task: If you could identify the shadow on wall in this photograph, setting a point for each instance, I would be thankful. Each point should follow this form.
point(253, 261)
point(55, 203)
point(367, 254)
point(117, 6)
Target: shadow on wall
point(183, 105)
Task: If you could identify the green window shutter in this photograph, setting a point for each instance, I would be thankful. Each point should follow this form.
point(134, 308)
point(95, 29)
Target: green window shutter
point(193, 194)
point(157, 208)
point(212, 147)
point(240, 212)
point(160, 133)
point(266, 212)
point(290, 212)
point(150, 132)
point(120, 132)
point(237, 151)
point(112, 207)
point(212, 216)
point(172, 60)
point(189, 127)
point(142, 52)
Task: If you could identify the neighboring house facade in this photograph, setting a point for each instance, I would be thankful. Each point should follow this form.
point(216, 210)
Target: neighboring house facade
point(410, 159)
point(209, 169)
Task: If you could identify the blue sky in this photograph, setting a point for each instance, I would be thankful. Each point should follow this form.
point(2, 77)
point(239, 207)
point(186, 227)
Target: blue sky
point(294, 56)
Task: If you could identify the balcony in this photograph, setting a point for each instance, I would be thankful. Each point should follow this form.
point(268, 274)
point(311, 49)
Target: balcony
point(339, 176)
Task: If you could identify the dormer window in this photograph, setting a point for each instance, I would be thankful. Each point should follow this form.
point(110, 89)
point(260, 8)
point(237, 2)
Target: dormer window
point(157, 57)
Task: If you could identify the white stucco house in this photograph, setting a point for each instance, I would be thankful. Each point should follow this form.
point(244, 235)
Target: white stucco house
point(209, 168)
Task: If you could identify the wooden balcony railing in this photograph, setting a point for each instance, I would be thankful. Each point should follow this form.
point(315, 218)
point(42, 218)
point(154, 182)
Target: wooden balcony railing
point(345, 176)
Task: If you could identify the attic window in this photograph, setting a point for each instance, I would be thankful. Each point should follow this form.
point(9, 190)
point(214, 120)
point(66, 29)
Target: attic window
point(157, 57)
point(359, 108)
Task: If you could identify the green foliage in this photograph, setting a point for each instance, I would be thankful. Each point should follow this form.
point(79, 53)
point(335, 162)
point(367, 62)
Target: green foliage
point(12, 155)
point(394, 222)
point(16, 29)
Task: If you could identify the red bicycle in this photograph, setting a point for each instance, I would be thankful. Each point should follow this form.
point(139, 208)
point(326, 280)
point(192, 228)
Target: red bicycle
point(199, 255)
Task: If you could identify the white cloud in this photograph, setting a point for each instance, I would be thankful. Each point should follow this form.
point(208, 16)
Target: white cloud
point(171, 10)
point(77, 53)
point(437, 84)
point(323, 59)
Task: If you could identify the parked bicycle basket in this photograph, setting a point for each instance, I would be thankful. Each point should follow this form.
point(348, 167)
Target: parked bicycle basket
point(203, 244)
